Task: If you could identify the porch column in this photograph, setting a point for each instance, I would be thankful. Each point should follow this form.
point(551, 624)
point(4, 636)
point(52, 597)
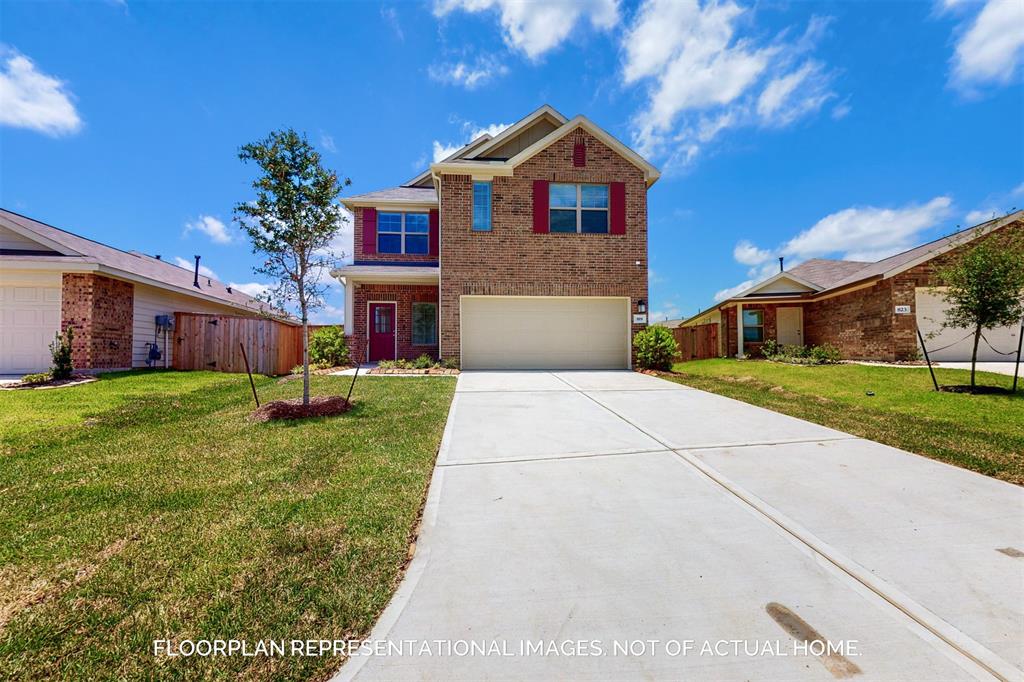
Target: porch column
point(739, 330)
point(350, 318)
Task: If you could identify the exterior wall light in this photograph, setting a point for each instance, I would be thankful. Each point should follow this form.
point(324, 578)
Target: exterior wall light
point(641, 306)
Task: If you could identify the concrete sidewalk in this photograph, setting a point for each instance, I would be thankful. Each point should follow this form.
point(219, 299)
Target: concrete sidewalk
point(614, 508)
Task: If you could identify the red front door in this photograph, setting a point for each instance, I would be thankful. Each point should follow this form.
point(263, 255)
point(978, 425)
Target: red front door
point(382, 331)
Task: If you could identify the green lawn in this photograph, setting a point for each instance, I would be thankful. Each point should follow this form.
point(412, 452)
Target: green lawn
point(145, 506)
point(980, 432)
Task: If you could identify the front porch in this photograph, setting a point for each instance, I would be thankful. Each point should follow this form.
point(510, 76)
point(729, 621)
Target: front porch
point(391, 312)
point(748, 325)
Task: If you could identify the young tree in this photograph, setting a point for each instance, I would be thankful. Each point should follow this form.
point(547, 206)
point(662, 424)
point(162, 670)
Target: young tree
point(986, 287)
point(291, 223)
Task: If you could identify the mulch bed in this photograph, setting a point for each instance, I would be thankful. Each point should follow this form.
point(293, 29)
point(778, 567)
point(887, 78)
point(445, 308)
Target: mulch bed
point(75, 380)
point(434, 370)
point(320, 406)
point(978, 390)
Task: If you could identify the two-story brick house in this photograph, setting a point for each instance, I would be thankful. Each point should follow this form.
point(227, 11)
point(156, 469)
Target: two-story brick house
point(524, 250)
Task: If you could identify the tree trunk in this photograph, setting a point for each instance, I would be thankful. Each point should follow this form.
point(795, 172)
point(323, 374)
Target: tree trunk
point(974, 355)
point(305, 356)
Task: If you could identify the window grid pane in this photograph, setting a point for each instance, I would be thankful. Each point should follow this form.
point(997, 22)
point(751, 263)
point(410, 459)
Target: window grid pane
point(481, 205)
point(417, 222)
point(563, 196)
point(563, 221)
point(424, 324)
point(594, 196)
point(594, 222)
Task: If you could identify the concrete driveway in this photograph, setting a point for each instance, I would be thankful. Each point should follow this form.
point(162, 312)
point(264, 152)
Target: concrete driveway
point(612, 526)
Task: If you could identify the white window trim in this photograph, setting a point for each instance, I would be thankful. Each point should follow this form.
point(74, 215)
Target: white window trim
point(580, 207)
point(412, 324)
point(402, 233)
point(744, 327)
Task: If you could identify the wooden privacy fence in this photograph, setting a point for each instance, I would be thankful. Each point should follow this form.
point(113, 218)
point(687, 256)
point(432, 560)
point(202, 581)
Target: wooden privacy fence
point(697, 343)
point(211, 342)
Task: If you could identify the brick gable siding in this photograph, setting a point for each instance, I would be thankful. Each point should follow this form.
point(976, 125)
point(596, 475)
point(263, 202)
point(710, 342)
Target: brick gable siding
point(100, 310)
point(512, 260)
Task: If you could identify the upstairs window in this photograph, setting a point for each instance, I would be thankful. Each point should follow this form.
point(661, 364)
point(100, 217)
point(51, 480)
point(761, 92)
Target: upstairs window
point(481, 206)
point(579, 208)
point(753, 326)
point(403, 233)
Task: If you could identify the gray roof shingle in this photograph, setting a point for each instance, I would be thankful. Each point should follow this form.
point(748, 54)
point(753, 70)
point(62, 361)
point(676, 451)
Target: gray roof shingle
point(825, 272)
point(412, 194)
point(133, 263)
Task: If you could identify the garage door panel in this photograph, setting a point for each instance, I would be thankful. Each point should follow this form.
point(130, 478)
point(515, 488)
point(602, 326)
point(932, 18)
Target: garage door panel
point(31, 318)
point(544, 333)
point(956, 344)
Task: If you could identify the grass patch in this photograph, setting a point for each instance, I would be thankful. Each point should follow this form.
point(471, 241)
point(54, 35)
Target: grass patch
point(984, 433)
point(146, 506)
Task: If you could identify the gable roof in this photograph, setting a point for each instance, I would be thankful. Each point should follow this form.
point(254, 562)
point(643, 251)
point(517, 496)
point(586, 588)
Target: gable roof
point(393, 195)
point(73, 250)
point(824, 276)
point(478, 162)
point(825, 272)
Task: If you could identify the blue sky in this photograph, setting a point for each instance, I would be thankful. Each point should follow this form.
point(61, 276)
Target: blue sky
point(810, 129)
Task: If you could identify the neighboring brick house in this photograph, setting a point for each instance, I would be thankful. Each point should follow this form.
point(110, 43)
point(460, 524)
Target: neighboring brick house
point(51, 279)
point(869, 311)
point(524, 250)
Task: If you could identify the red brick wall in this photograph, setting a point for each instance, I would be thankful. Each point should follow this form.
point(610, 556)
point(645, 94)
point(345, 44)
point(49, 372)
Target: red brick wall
point(511, 259)
point(732, 338)
point(357, 244)
point(404, 295)
point(100, 310)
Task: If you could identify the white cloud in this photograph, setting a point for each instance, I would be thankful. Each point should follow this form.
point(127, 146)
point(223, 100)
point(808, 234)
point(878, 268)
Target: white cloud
point(34, 100)
point(190, 265)
point(213, 228)
point(669, 311)
point(996, 205)
point(390, 16)
point(865, 233)
point(841, 111)
point(328, 314)
point(533, 27)
point(723, 294)
point(327, 142)
point(989, 50)
point(254, 289)
point(443, 151)
point(748, 254)
point(868, 230)
point(703, 78)
point(481, 71)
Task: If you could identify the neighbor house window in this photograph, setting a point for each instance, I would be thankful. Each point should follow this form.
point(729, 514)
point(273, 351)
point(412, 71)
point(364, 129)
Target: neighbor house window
point(578, 208)
point(481, 206)
point(403, 233)
point(424, 324)
point(753, 325)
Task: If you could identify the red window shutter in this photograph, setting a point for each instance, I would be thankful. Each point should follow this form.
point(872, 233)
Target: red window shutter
point(541, 219)
point(617, 199)
point(579, 154)
point(435, 232)
point(369, 231)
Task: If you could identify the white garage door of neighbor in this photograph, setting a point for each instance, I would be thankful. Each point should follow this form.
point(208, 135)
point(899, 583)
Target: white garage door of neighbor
point(29, 318)
point(930, 314)
point(535, 332)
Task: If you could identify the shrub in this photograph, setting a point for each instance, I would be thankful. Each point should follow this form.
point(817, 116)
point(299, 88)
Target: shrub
point(825, 354)
point(770, 348)
point(327, 347)
point(60, 351)
point(32, 379)
point(656, 348)
point(450, 363)
point(423, 362)
point(400, 363)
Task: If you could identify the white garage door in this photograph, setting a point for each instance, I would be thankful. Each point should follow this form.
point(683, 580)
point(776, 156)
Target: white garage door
point(29, 318)
point(955, 345)
point(534, 332)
